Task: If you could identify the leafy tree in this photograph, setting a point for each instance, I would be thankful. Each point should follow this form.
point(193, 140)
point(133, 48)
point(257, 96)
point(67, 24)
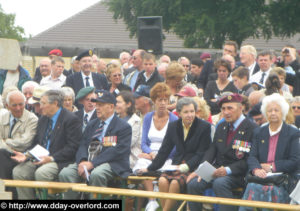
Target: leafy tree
point(8, 28)
point(284, 18)
point(208, 23)
point(201, 23)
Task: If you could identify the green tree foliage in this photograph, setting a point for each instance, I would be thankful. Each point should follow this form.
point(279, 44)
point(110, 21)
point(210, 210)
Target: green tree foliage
point(208, 23)
point(8, 28)
point(284, 17)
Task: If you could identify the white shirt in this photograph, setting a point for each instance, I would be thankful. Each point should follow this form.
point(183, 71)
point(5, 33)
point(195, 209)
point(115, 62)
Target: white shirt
point(147, 78)
point(251, 69)
point(53, 83)
point(156, 136)
point(257, 76)
point(90, 114)
point(272, 133)
point(90, 79)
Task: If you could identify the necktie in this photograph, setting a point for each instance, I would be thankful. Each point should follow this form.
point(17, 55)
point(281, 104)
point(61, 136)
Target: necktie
point(12, 127)
point(85, 119)
point(87, 83)
point(99, 131)
point(230, 133)
point(262, 78)
point(46, 142)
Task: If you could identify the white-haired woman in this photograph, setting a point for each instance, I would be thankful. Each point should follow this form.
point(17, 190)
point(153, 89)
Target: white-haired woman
point(275, 148)
point(69, 99)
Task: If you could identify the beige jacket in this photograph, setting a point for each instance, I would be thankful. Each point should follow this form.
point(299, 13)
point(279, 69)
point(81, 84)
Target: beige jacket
point(22, 134)
point(136, 126)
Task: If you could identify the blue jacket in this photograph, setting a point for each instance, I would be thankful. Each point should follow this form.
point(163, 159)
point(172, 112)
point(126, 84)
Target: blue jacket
point(22, 78)
point(287, 150)
point(146, 127)
point(117, 156)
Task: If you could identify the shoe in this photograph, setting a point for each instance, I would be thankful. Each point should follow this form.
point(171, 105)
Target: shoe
point(152, 205)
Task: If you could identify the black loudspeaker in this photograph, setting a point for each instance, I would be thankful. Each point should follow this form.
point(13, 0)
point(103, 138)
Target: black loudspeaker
point(150, 34)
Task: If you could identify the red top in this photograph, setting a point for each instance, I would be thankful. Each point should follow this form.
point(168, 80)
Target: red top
point(272, 149)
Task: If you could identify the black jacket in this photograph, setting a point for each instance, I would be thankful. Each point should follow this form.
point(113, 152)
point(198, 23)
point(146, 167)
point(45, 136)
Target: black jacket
point(154, 78)
point(220, 154)
point(190, 151)
point(75, 81)
point(64, 138)
point(80, 113)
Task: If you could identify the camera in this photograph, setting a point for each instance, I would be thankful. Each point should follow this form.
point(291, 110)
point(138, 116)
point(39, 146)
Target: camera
point(286, 51)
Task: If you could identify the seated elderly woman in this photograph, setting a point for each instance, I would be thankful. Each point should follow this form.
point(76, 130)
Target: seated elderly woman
point(191, 137)
point(69, 99)
point(275, 148)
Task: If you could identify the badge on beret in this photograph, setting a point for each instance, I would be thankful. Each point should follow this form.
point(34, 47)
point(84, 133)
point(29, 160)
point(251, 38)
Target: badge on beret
point(220, 140)
point(90, 52)
point(262, 141)
point(100, 94)
point(229, 97)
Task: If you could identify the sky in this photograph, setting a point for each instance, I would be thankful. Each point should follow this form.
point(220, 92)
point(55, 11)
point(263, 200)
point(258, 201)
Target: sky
point(36, 16)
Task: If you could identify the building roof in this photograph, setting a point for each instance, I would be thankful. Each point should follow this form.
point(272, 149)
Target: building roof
point(95, 28)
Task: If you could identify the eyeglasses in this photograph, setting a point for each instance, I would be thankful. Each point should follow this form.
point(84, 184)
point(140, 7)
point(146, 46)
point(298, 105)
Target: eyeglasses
point(296, 107)
point(116, 75)
point(88, 99)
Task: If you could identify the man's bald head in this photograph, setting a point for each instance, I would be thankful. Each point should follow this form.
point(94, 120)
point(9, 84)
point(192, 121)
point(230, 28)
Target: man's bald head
point(45, 67)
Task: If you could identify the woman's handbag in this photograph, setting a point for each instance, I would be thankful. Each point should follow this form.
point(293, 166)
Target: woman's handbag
point(277, 180)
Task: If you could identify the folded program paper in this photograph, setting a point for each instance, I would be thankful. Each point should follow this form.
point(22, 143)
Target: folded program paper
point(205, 171)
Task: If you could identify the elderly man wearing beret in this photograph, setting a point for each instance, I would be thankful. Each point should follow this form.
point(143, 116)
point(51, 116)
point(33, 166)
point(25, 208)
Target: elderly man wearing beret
point(88, 112)
point(104, 148)
point(85, 77)
point(228, 153)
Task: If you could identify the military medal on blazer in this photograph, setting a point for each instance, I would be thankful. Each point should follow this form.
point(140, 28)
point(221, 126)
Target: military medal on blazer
point(241, 147)
point(109, 141)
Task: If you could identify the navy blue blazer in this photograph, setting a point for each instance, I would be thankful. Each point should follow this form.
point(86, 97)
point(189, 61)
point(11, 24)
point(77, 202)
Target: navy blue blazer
point(65, 137)
point(190, 151)
point(76, 82)
point(117, 156)
point(287, 150)
point(220, 154)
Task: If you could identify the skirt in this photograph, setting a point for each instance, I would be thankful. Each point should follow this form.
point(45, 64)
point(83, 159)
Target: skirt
point(266, 193)
point(179, 177)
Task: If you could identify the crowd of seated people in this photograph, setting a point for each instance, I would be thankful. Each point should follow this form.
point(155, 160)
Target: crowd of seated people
point(143, 114)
